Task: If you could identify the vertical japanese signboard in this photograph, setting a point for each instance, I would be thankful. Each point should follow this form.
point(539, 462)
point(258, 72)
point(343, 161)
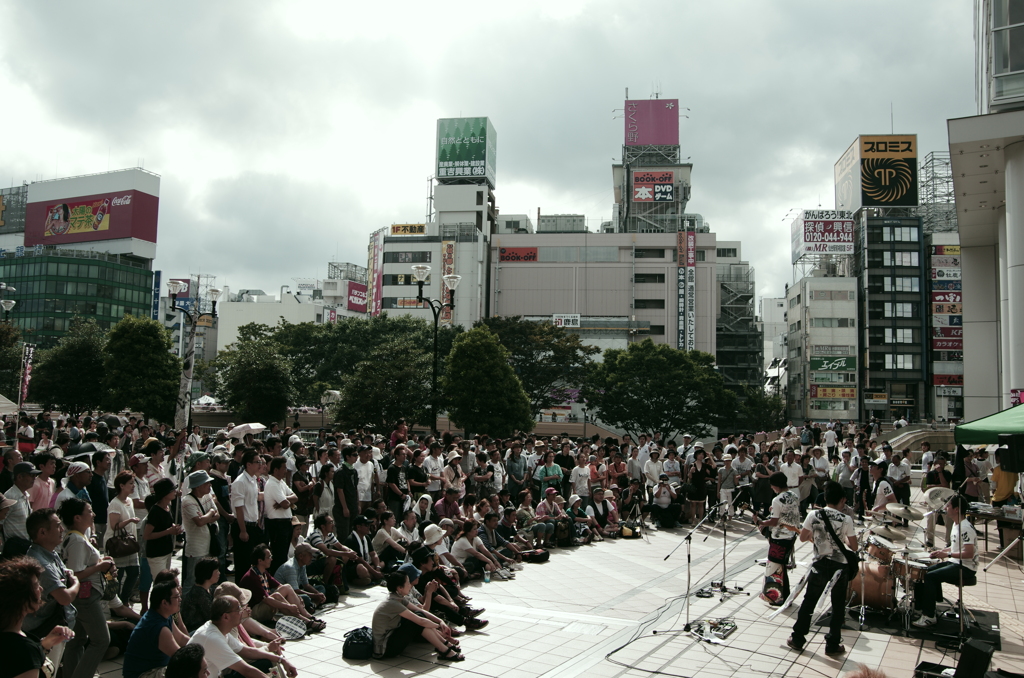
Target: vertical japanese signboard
point(375, 279)
point(155, 311)
point(447, 268)
point(681, 289)
point(691, 290)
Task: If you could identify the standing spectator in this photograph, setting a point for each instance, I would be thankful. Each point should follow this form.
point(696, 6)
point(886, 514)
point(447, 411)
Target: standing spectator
point(23, 656)
point(59, 585)
point(26, 437)
point(278, 501)
point(433, 466)
point(246, 530)
point(121, 516)
point(397, 485)
point(97, 489)
point(199, 518)
point(346, 490)
point(11, 458)
point(323, 492)
point(160, 530)
point(44, 486)
point(366, 471)
point(76, 480)
point(86, 650)
point(302, 486)
point(16, 539)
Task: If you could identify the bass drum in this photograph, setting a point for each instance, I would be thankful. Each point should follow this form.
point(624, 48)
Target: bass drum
point(879, 586)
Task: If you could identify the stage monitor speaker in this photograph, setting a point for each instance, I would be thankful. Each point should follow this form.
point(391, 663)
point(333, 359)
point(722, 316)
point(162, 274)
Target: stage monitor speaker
point(975, 657)
point(1012, 458)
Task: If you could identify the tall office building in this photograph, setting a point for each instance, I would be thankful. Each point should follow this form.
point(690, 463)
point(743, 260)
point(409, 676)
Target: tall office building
point(739, 342)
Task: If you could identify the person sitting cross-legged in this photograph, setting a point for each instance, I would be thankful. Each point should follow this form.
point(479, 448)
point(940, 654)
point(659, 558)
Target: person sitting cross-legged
point(155, 638)
point(293, 572)
point(270, 596)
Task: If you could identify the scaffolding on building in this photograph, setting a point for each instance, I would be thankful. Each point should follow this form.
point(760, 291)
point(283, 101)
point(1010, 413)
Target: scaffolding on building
point(655, 216)
point(342, 270)
point(739, 343)
point(938, 202)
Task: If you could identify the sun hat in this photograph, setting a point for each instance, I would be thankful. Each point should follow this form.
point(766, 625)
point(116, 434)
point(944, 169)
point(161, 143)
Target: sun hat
point(229, 588)
point(453, 455)
point(573, 499)
point(198, 478)
point(432, 534)
point(726, 457)
point(559, 499)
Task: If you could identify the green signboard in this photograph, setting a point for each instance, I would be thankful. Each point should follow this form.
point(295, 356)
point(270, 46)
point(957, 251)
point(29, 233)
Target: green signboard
point(834, 364)
point(465, 149)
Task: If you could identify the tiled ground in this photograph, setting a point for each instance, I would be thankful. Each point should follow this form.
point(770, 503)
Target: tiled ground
point(617, 609)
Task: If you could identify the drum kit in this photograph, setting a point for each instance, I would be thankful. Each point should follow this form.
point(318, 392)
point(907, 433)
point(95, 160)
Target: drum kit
point(888, 571)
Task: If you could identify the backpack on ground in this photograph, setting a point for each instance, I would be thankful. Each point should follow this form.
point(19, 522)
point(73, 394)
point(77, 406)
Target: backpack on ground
point(536, 556)
point(358, 644)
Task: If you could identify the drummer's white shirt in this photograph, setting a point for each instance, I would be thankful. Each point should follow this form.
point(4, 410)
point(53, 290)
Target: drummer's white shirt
point(970, 536)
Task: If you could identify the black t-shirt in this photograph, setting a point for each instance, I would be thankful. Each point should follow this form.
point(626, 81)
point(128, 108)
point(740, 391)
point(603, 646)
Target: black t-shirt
point(397, 475)
point(160, 520)
point(20, 654)
point(420, 476)
point(933, 478)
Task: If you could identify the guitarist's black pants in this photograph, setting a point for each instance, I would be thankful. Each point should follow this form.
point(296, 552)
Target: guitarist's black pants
point(821, 575)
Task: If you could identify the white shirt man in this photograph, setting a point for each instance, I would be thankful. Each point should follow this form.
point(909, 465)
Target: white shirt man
point(792, 470)
point(276, 492)
point(244, 495)
point(829, 437)
point(433, 466)
point(365, 470)
point(883, 490)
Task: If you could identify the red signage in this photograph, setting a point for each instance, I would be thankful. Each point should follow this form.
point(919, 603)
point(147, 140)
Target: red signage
point(951, 297)
point(653, 186)
point(513, 254)
point(356, 297)
point(105, 216)
point(947, 331)
point(691, 248)
point(948, 344)
point(947, 380)
point(652, 122)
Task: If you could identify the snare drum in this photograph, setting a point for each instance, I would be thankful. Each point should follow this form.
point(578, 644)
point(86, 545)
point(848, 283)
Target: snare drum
point(880, 548)
point(879, 587)
point(908, 568)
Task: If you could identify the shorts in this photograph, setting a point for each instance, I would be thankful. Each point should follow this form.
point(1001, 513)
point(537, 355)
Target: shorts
point(262, 612)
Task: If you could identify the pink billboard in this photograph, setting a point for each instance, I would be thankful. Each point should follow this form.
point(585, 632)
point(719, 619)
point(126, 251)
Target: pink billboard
point(86, 218)
point(356, 297)
point(652, 122)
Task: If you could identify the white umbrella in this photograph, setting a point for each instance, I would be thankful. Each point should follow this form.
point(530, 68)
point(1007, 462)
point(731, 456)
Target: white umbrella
point(240, 430)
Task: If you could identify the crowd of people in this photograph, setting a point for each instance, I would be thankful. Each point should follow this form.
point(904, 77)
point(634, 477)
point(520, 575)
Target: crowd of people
point(281, 524)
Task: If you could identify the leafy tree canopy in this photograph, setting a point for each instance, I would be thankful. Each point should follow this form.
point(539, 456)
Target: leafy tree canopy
point(392, 383)
point(482, 392)
point(550, 362)
point(70, 376)
point(650, 387)
point(141, 374)
point(253, 379)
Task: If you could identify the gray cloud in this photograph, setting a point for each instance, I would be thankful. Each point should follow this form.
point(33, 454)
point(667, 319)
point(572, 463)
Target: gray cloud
point(283, 138)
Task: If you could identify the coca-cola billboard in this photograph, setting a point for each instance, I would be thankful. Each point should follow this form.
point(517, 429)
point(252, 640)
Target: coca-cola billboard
point(86, 218)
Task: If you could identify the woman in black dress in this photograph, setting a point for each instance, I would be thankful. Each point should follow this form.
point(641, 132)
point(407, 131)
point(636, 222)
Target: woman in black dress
point(700, 473)
point(23, 656)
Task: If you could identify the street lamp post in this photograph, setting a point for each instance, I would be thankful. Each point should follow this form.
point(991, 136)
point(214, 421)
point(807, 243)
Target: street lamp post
point(451, 281)
point(183, 411)
point(8, 304)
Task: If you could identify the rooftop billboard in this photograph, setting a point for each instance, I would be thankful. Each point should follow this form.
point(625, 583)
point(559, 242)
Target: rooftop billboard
point(652, 122)
point(877, 171)
point(822, 232)
point(108, 206)
point(466, 149)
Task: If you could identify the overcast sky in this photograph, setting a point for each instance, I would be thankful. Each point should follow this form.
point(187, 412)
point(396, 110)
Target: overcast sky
point(286, 132)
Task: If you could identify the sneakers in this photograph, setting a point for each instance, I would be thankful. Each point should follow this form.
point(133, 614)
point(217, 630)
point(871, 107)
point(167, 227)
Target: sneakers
point(471, 613)
point(499, 574)
point(924, 622)
point(507, 574)
point(476, 624)
point(515, 567)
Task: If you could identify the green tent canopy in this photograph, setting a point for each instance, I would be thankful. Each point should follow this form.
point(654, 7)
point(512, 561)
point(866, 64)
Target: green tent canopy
point(985, 431)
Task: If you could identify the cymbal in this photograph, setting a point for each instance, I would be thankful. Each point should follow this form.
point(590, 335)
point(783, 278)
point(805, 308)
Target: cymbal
point(888, 533)
point(937, 497)
point(904, 512)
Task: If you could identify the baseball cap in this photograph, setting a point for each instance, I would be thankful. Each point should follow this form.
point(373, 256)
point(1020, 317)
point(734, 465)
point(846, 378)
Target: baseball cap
point(25, 467)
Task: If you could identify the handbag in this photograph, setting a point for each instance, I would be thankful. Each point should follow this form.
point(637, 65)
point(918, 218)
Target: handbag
point(358, 644)
point(852, 559)
point(121, 544)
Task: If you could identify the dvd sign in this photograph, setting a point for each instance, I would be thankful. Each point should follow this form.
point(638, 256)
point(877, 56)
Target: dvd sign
point(653, 186)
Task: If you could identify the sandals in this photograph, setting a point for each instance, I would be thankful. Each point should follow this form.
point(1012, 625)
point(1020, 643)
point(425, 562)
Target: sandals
point(315, 625)
point(452, 655)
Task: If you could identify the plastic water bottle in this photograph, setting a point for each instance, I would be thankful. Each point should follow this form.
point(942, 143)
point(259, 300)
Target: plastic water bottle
point(487, 576)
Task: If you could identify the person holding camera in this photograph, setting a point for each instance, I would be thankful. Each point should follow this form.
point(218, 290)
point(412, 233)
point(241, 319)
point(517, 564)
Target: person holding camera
point(665, 510)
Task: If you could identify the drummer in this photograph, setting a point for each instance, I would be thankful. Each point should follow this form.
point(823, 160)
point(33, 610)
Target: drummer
point(937, 476)
point(963, 560)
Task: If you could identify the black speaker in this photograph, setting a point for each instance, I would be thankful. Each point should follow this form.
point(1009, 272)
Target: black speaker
point(975, 657)
point(1012, 457)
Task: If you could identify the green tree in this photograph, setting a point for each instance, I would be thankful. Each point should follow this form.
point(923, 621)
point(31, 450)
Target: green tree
point(141, 373)
point(69, 376)
point(760, 411)
point(650, 387)
point(254, 380)
point(391, 384)
point(482, 392)
point(550, 362)
point(10, 360)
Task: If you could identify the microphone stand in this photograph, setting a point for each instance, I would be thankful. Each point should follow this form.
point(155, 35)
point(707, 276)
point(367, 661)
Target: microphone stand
point(688, 539)
point(725, 590)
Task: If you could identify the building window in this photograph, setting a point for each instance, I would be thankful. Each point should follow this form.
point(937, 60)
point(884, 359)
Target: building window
point(899, 234)
point(900, 310)
point(899, 259)
point(794, 301)
point(901, 284)
point(558, 255)
point(401, 302)
point(649, 253)
point(700, 255)
point(899, 335)
point(834, 377)
point(649, 303)
point(832, 322)
point(600, 253)
point(658, 330)
point(401, 279)
point(726, 253)
point(407, 257)
point(649, 278)
point(902, 361)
